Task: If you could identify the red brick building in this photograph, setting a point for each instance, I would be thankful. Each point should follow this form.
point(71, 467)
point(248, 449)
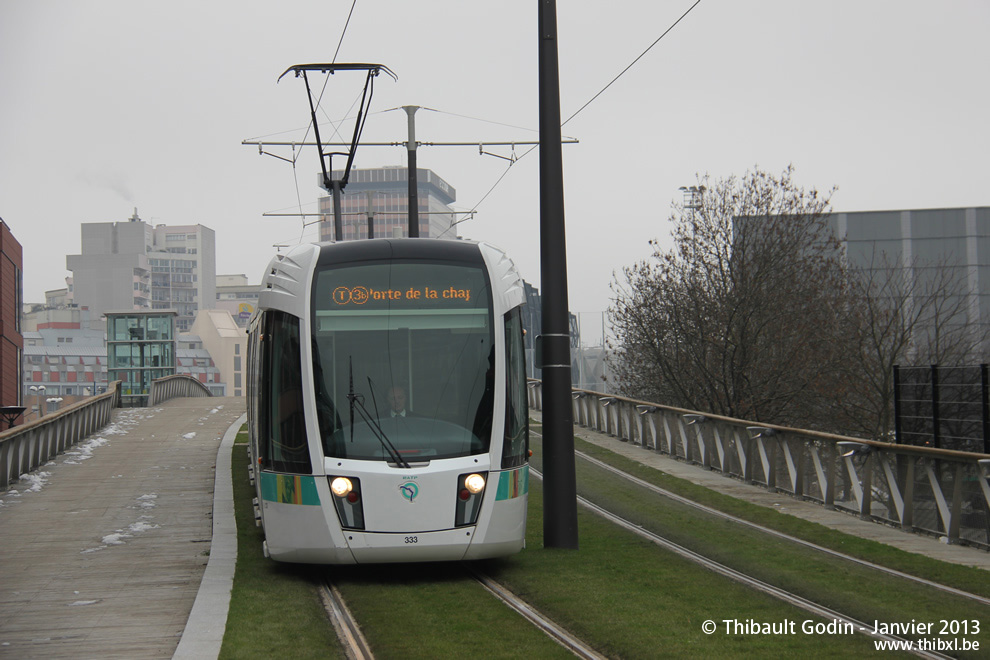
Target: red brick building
point(11, 297)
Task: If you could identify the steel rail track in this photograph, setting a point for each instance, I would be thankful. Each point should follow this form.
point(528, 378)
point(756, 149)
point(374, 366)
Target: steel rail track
point(766, 530)
point(558, 634)
point(348, 632)
point(357, 648)
point(765, 587)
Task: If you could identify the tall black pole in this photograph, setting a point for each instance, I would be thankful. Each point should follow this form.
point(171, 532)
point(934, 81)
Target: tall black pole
point(413, 178)
point(985, 406)
point(338, 222)
point(371, 213)
point(559, 485)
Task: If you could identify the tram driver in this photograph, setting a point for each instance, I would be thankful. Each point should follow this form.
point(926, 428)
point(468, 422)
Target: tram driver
point(397, 402)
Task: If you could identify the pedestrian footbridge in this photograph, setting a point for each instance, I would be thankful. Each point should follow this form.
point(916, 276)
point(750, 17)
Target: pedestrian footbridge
point(103, 547)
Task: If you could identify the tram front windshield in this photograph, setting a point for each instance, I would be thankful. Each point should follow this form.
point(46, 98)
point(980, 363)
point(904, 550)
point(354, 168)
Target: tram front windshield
point(404, 360)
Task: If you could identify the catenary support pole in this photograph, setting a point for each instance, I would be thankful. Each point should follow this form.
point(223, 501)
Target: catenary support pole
point(413, 178)
point(560, 488)
point(371, 213)
point(338, 221)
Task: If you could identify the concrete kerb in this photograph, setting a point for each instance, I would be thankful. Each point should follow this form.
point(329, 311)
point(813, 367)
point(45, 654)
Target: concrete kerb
point(203, 634)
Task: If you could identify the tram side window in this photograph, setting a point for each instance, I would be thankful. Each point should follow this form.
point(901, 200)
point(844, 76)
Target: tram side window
point(515, 444)
point(252, 388)
point(283, 434)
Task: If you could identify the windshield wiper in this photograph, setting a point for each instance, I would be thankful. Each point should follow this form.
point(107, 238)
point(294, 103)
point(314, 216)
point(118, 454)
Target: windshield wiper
point(376, 429)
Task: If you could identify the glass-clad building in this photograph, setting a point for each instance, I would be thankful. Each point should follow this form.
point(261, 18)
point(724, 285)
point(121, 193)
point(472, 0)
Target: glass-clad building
point(140, 348)
point(922, 241)
point(385, 193)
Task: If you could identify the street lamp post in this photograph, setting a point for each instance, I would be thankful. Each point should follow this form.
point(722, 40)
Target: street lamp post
point(692, 197)
point(39, 391)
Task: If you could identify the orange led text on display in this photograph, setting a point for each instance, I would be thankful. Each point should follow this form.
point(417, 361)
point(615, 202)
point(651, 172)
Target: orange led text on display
point(359, 295)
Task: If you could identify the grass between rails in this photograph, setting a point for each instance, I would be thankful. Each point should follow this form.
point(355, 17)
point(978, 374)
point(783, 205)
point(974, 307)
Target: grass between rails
point(410, 611)
point(436, 611)
point(835, 583)
point(620, 593)
point(631, 599)
point(966, 578)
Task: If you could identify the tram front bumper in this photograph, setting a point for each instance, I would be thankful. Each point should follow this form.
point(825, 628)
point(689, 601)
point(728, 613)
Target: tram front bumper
point(376, 548)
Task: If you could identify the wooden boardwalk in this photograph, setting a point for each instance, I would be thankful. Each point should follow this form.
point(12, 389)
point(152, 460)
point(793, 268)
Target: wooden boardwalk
point(105, 558)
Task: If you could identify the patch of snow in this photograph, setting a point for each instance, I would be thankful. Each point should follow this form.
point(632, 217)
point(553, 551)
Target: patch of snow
point(35, 481)
point(117, 538)
point(147, 501)
point(190, 435)
point(140, 526)
point(84, 451)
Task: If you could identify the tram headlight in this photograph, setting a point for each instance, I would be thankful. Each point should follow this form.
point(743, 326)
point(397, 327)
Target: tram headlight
point(475, 483)
point(347, 501)
point(341, 486)
point(470, 493)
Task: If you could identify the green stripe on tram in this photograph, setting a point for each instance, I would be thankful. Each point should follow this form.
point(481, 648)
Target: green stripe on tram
point(513, 483)
point(289, 489)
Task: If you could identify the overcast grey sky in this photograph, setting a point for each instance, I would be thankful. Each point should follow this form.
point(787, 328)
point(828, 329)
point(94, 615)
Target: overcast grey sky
point(109, 105)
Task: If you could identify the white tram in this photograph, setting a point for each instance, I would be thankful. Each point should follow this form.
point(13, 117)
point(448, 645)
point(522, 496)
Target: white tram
point(387, 403)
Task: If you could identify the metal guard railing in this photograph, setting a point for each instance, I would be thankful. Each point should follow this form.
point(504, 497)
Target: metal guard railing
point(29, 446)
point(175, 386)
point(940, 492)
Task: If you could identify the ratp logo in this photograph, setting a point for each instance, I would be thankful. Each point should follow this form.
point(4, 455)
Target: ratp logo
point(409, 490)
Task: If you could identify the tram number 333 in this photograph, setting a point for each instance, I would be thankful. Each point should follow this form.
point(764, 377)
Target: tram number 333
point(412, 539)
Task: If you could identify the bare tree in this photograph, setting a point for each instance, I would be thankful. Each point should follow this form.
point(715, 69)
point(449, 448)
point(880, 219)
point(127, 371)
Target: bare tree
point(741, 316)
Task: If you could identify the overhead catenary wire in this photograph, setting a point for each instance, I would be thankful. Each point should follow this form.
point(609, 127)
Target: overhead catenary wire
point(344, 31)
point(633, 63)
point(530, 150)
point(295, 156)
point(593, 98)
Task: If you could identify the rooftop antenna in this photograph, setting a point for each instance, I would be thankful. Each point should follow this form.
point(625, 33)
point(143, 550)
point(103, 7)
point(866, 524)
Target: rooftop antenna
point(336, 186)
